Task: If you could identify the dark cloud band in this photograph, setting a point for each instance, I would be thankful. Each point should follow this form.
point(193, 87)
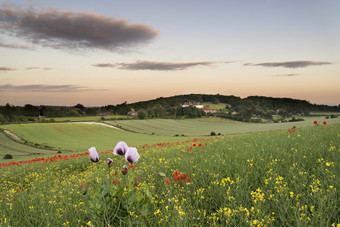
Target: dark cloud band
point(43, 88)
point(289, 64)
point(74, 30)
point(151, 65)
point(6, 69)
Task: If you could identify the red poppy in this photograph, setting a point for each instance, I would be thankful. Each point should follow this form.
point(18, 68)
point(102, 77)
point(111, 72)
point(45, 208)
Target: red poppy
point(315, 122)
point(131, 166)
point(116, 182)
point(167, 181)
point(324, 123)
point(178, 176)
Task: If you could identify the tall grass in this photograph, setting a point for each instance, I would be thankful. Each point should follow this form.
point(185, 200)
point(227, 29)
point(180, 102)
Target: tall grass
point(204, 126)
point(276, 178)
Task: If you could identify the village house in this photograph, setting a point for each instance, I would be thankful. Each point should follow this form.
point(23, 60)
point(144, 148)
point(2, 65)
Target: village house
point(207, 109)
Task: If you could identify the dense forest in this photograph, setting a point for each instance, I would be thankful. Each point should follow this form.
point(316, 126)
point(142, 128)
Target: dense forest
point(250, 109)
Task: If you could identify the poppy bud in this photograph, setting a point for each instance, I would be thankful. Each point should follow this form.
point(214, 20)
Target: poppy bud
point(160, 174)
point(109, 162)
point(124, 170)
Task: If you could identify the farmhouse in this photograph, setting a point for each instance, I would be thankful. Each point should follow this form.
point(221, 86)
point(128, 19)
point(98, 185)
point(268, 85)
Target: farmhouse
point(207, 109)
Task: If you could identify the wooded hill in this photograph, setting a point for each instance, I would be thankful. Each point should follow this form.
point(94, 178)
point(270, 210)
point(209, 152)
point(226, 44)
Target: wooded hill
point(252, 108)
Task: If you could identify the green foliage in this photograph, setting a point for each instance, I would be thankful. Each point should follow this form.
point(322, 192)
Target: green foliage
point(112, 204)
point(141, 115)
point(8, 156)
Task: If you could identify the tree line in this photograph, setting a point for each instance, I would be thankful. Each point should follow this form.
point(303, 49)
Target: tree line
point(246, 109)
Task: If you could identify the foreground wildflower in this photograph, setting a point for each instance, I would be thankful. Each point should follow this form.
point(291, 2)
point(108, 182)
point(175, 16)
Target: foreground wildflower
point(109, 162)
point(124, 170)
point(94, 154)
point(120, 149)
point(132, 155)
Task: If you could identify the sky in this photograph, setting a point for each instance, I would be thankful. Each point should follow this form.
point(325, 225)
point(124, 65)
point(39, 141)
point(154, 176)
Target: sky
point(106, 52)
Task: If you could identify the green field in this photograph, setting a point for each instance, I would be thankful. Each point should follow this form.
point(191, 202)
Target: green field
point(204, 126)
point(80, 137)
point(275, 178)
point(86, 118)
point(220, 106)
point(17, 150)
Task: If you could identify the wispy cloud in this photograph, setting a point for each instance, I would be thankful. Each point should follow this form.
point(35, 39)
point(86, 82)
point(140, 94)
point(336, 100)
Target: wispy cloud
point(15, 46)
point(6, 69)
point(287, 75)
point(152, 65)
point(289, 64)
point(44, 88)
point(38, 68)
point(73, 30)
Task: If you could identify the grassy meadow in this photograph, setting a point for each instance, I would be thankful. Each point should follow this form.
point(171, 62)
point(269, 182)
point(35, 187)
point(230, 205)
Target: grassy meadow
point(204, 126)
point(275, 178)
point(85, 118)
point(17, 150)
point(79, 137)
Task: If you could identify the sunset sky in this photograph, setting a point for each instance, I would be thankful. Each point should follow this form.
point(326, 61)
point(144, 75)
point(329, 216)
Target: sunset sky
point(107, 51)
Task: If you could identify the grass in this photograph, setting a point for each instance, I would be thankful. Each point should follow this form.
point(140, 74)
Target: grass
point(275, 178)
point(219, 106)
point(17, 150)
point(80, 137)
point(204, 126)
point(86, 118)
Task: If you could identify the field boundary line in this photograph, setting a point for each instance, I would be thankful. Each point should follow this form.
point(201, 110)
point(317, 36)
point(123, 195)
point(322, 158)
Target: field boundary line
point(13, 136)
point(96, 123)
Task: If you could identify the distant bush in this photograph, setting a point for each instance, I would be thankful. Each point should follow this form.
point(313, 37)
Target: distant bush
point(213, 134)
point(8, 156)
point(296, 119)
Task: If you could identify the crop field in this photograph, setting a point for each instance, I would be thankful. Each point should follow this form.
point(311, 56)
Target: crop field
point(86, 118)
point(8, 146)
point(79, 137)
point(276, 178)
point(204, 126)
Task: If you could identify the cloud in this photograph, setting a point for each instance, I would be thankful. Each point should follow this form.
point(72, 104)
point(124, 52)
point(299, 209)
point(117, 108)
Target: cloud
point(151, 65)
point(44, 88)
point(287, 75)
point(31, 68)
point(6, 69)
point(289, 64)
point(74, 30)
point(15, 46)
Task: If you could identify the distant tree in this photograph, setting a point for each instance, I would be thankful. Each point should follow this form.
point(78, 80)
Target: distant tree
point(141, 115)
point(30, 110)
point(282, 113)
point(8, 112)
point(80, 108)
point(215, 100)
point(41, 110)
